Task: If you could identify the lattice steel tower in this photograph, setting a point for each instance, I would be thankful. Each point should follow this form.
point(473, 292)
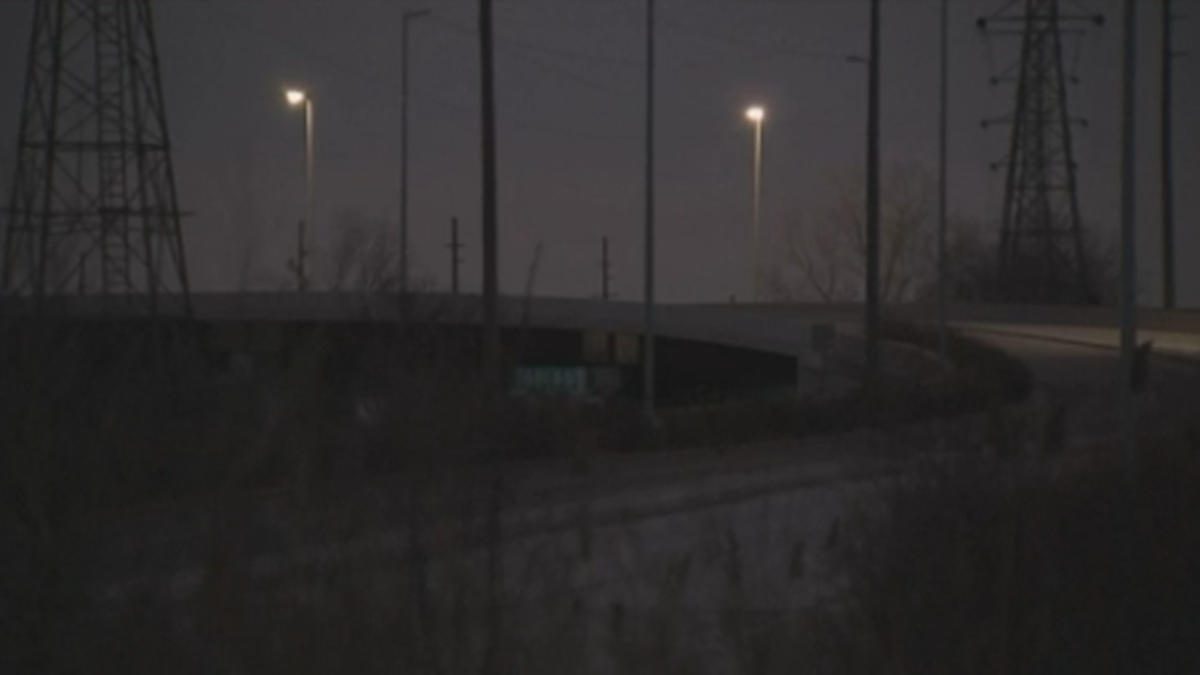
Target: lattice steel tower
point(93, 208)
point(1043, 256)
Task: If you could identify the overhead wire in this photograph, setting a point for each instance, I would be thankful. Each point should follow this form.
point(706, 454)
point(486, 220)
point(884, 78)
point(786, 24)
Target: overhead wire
point(765, 50)
point(511, 45)
point(508, 47)
point(375, 74)
point(527, 52)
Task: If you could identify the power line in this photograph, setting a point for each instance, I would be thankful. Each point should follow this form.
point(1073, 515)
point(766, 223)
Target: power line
point(508, 47)
point(511, 45)
point(517, 46)
point(561, 72)
point(369, 74)
point(260, 30)
point(755, 46)
point(522, 50)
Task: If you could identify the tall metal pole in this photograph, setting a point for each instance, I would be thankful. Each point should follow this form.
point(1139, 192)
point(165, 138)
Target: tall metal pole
point(1128, 545)
point(308, 159)
point(301, 260)
point(493, 373)
point(648, 356)
point(404, 24)
point(604, 268)
point(758, 149)
point(301, 253)
point(872, 291)
point(942, 122)
point(1128, 241)
point(296, 97)
point(455, 247)
point(1168, 177)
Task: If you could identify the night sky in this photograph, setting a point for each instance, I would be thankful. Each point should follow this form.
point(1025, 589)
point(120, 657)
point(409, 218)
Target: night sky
point(569, 95)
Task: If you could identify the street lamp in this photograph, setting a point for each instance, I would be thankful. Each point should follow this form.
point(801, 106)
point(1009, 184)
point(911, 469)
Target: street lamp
point(756, 114)
point(297, 98)
point(406, 18)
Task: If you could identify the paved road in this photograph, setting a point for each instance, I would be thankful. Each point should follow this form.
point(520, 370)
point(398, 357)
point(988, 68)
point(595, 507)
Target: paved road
point(1072, 353)
point(1080, 367)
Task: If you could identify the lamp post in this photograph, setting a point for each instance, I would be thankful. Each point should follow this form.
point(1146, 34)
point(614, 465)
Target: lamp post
point(406, 19)
point(757, 114)
point(297, 98)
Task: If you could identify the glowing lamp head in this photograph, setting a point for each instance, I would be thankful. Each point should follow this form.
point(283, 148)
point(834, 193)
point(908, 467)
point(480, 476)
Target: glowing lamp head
point(296, 97)
point(756, 114)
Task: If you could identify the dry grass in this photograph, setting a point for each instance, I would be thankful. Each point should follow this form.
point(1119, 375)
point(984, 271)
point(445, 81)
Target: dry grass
point(968, 567)
point(986, 566)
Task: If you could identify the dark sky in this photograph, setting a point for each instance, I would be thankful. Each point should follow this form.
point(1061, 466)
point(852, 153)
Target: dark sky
point(570, 127)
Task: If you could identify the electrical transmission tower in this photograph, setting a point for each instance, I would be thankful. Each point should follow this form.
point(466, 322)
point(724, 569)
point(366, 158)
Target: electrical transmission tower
point(93, 208)
point(1043, 255)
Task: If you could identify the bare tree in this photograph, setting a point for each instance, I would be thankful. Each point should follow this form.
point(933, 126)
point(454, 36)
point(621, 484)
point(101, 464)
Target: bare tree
point(244, 217)
point(973, 264)
point(362, 256)
point(827, 260)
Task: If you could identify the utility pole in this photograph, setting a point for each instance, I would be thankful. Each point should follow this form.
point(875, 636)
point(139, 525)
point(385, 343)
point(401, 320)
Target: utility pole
point(1128, 240)
point(405, 20)
point(491, 328)
point(1168, 169)
point(648, 357)
point(493, 373)
point(1128, 312)
point(872, 292)
point(455, 246)
point(1126, 383)
point(943, 115)
point(605, 268)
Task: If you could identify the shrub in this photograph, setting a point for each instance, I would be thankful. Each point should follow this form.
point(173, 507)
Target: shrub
point(982, 566)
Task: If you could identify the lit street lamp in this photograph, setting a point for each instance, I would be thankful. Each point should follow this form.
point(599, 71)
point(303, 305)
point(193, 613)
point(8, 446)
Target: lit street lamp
point(297, 98)
point(756, 114)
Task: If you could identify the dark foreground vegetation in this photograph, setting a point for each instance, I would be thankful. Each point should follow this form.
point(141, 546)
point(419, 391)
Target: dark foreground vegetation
point(111, 416)
point(973, 565)
point(986, 567)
